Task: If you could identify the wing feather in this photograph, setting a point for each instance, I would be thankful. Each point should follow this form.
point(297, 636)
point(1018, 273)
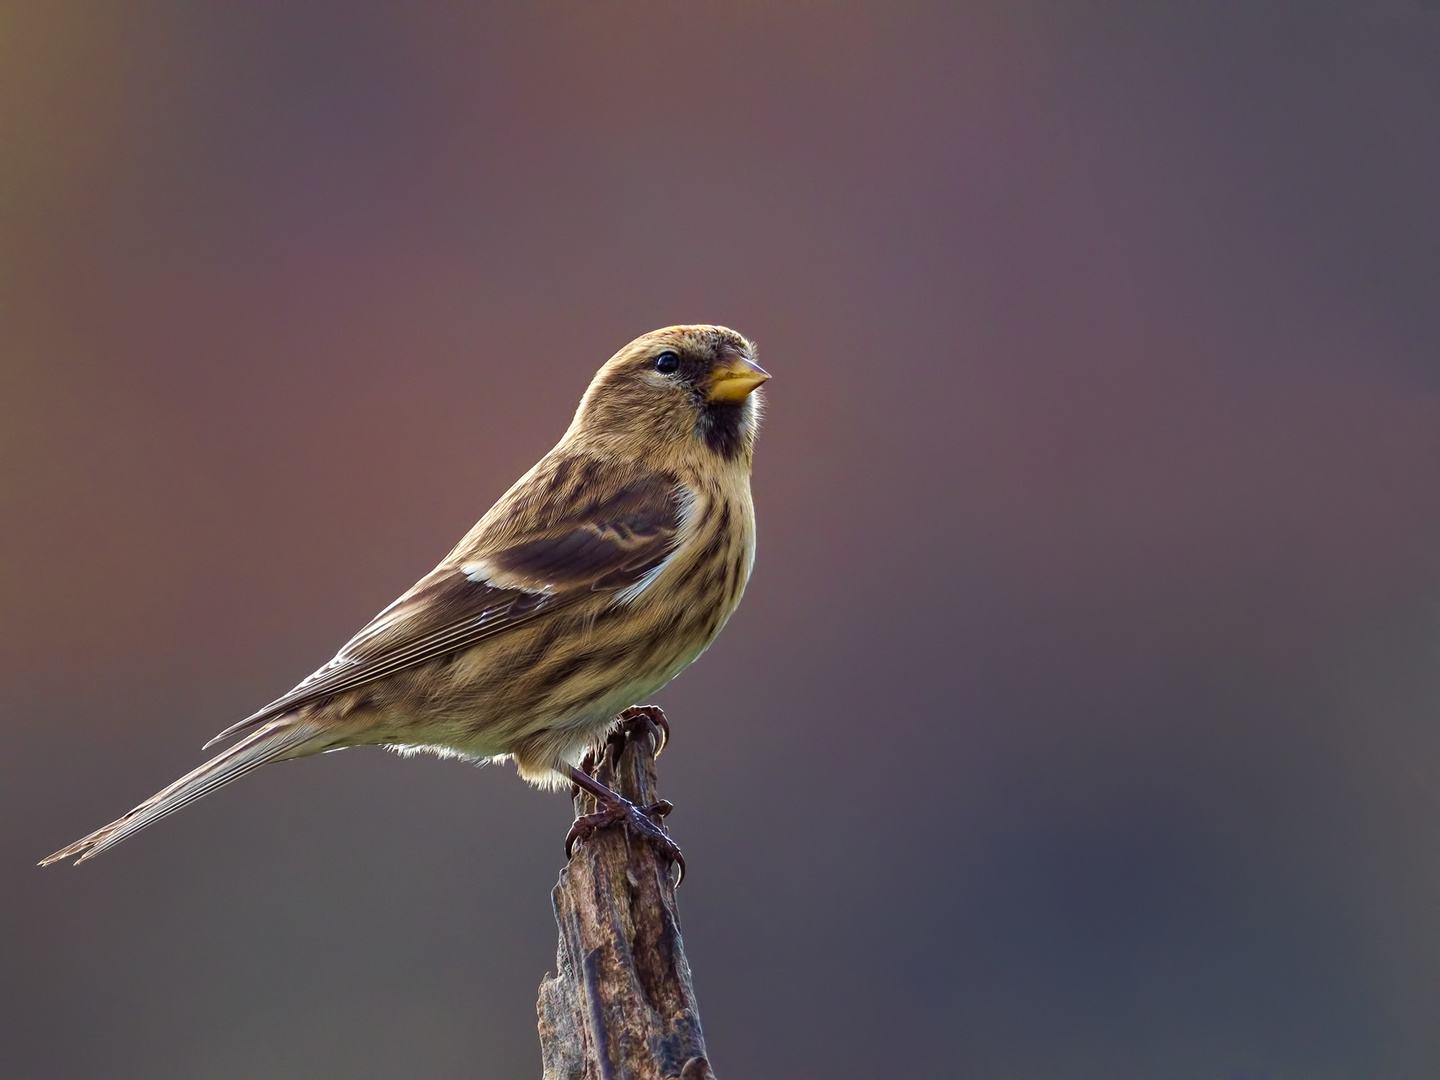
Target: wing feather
point(607, 545)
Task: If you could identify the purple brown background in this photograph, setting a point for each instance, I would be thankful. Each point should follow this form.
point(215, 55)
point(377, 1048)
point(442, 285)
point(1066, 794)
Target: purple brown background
point(1083, 718)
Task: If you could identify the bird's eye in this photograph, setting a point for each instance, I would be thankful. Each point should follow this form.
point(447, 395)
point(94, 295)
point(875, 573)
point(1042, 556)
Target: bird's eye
point(667, 363)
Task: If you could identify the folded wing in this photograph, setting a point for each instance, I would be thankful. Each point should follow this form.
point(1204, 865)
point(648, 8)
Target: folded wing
point(605, 544)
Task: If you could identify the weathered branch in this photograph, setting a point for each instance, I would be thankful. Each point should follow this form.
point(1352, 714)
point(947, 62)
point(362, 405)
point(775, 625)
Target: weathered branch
point(621, 1005)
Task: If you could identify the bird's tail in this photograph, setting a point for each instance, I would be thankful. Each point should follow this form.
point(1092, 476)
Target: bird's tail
point(283, 738)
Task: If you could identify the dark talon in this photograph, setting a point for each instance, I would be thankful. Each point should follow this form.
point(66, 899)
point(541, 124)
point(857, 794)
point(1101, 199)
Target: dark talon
point(648, 718)
point(612, 809)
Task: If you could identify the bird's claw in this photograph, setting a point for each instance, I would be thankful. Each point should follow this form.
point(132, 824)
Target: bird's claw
point(643, 719)
point(632, 724)
point(641, 821)
point(635, 723)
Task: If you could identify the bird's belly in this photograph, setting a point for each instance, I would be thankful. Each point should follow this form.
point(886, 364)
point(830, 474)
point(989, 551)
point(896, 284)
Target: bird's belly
point(494, 699)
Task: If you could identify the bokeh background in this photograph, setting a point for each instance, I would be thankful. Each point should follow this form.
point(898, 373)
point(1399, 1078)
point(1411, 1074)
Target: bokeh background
point(1083, 718)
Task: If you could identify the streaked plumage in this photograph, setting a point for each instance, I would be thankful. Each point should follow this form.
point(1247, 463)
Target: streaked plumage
point(600, 575)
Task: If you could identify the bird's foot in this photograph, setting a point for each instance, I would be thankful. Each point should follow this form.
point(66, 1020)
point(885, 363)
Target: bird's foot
point(640, 821)
point(611, 808)
point(639, 720)
point(636, 722)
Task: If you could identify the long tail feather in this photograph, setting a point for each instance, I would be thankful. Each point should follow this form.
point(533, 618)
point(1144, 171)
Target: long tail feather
point(278, 739)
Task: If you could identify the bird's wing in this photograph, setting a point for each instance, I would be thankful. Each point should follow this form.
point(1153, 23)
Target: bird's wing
point(608, 544)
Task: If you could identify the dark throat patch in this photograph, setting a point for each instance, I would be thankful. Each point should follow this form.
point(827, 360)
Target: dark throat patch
point(721, 424)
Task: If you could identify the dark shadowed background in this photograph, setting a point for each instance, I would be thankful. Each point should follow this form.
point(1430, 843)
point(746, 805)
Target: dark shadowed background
point(1083, 716)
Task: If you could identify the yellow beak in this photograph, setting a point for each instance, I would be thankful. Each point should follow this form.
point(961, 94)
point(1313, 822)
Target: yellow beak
point(733, 380)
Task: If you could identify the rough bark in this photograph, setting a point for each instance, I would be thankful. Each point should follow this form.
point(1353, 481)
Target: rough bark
point(620, 1005)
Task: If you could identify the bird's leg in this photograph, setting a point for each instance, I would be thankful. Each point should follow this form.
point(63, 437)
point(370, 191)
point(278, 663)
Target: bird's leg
point(639, 721)
point(612, 808)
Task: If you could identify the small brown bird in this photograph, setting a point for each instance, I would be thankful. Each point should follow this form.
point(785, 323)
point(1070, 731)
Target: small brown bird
point(596, 579)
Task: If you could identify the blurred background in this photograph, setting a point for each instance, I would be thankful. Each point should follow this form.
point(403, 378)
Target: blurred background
point(1083, 716)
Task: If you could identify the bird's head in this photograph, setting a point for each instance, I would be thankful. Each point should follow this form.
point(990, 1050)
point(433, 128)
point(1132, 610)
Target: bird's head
point(677, 389)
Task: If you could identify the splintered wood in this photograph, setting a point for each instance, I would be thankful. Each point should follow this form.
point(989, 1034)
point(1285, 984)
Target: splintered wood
point(620, 1005)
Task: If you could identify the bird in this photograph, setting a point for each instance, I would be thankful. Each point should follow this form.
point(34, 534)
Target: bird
point(598, 577)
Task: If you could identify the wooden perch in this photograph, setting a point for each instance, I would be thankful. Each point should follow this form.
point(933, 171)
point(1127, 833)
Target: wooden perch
point(621, 1005)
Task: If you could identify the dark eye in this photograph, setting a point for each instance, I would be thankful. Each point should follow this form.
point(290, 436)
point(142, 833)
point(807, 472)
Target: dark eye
point(667, 363)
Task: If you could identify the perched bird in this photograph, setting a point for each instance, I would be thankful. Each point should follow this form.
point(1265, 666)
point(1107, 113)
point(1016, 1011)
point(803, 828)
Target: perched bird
point(600, 575)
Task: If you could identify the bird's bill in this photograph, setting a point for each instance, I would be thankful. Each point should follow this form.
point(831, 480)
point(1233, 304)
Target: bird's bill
point(734, 379)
